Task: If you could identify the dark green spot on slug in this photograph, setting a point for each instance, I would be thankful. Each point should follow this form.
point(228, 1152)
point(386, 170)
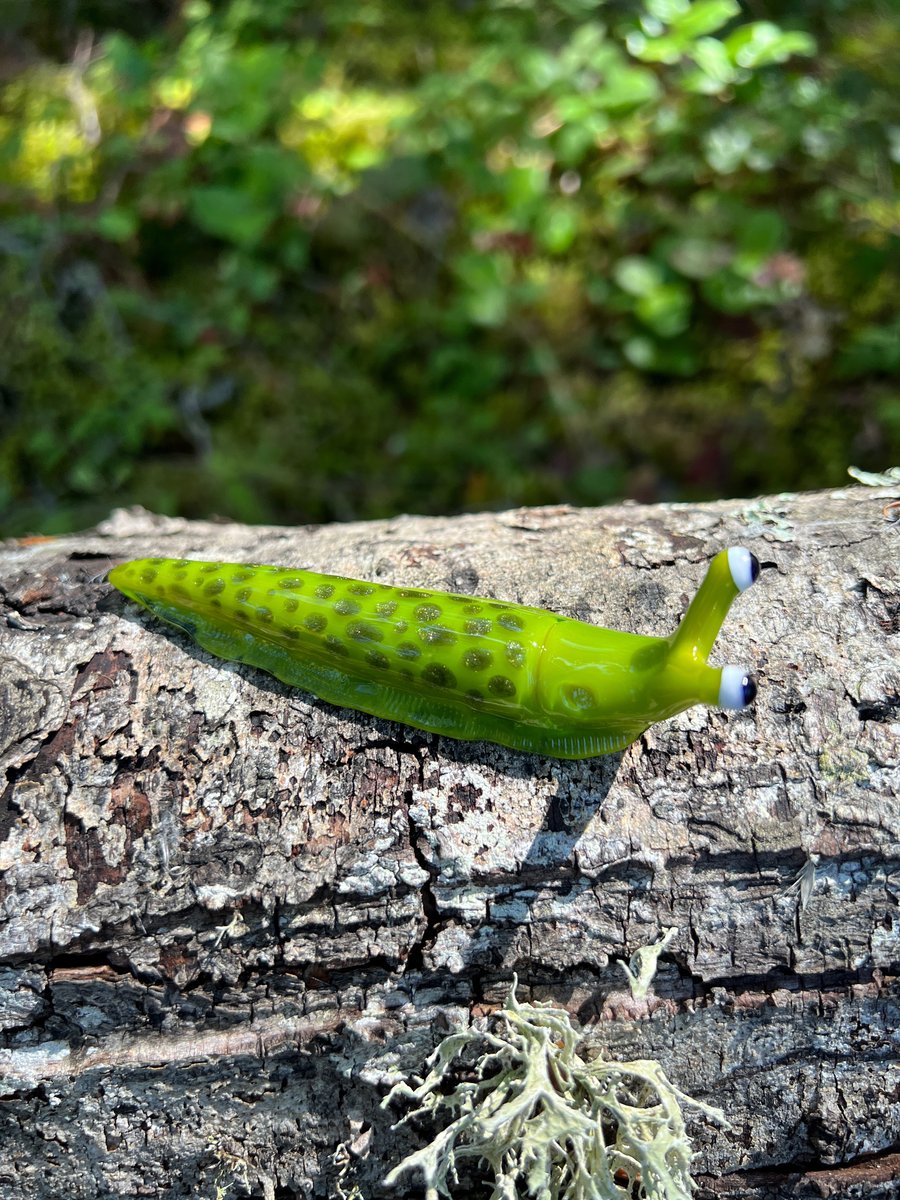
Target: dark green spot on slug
point(480, 626)
point(290, 632)
point(336, 646)
point(408, 650)
point(412, 594)
point(360, 589)
point(324, 591)
point(264, 615)
point(183, 564)
point(214, 587)
point(499, 685)
point(472, 609)
point(181, 592)
point(439, 676)
point(148, 575)
point(292, 583)
point(477, 660)
point(346, 608)
point(241, 576)
point(375, 658)
point(474, 694)
point(510, 621)
point(210, 568)
point(364, 631)
point(437, 635)
point(315, 623)
point(580, 697)
point(386, 608)
point(400, 627)
point(515, 654)
point(427, 612)
point(243, 595)
point(291, 605)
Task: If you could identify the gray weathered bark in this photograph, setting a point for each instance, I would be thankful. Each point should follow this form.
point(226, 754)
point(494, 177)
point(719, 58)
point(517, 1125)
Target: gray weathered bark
point(228, 909)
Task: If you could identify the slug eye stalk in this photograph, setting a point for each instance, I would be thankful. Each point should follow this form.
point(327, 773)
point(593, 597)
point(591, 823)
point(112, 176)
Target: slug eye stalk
point(730, 573)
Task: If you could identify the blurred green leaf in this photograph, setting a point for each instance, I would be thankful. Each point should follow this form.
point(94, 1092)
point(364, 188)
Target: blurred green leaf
point(716, 70)
point(874, 350)
point(231, 214)
point(732, 293)
point(637, 276)
point(761, 43)
point(666, 309)
point(697, 257)
point(759, 236)
point(704, 16)
point(668, 11)
point(117, 224)
point(486, 279)
point(557, 227)
point(625, 87)
point(293, 262)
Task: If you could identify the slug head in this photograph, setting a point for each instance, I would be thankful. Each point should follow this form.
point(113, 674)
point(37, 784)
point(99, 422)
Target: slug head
point(620, 683)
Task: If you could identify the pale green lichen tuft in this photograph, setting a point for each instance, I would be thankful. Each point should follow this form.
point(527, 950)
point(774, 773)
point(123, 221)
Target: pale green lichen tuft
point(640, 970)
point(879, 479)
point(543, 1121)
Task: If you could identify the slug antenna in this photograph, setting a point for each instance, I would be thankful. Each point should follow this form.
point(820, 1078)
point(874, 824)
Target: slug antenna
point(730, 573)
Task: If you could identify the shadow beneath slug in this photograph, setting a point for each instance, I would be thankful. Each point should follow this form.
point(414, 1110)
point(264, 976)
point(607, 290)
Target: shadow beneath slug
point(582, 785)
point(582, 790)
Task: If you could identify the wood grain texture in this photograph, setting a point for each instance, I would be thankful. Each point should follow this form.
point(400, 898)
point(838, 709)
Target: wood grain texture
point(228, 910)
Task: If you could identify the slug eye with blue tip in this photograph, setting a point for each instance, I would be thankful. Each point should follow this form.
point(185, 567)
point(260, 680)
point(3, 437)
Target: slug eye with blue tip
point(737, 689)
point(744, 567)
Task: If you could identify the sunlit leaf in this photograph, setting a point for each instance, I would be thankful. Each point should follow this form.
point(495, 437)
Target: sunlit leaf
point(557, 228)
point(762, 43)
point(637, 276)
point(704, 16)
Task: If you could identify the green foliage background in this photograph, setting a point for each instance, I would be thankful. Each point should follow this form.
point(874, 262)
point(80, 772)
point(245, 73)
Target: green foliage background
point(293, 261)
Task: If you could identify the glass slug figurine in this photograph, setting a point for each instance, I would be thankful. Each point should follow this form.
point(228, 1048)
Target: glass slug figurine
point(480, 670)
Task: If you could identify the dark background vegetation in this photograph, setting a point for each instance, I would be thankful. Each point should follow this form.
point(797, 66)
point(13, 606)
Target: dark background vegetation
point(291, 261)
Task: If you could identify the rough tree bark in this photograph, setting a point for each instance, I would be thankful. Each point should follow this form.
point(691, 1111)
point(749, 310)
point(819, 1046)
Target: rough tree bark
point(228, 909)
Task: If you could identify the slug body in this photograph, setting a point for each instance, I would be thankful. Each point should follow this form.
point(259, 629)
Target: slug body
point(469, 668)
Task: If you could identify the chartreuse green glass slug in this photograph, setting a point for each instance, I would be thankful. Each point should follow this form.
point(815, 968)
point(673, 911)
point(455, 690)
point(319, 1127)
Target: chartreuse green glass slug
point(457, 665)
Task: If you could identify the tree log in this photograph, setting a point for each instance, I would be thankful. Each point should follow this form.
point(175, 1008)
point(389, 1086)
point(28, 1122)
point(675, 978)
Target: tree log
point(230, 911)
